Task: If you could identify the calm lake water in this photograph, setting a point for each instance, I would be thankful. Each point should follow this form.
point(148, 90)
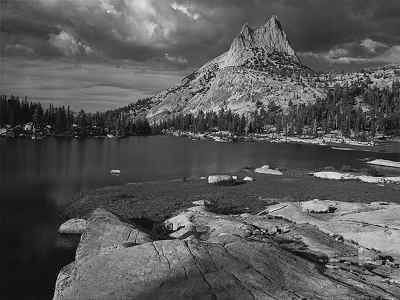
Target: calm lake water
point(38, 178)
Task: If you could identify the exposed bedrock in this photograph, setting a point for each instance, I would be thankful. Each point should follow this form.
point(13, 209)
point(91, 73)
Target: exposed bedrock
point(224, 257)
point(73, 226)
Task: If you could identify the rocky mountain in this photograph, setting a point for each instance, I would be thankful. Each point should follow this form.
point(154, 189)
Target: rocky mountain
point(257, 48)
point(259, 68)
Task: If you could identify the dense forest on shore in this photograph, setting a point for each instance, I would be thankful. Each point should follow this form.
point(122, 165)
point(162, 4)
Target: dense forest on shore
point(357, 111)
point(33, 118)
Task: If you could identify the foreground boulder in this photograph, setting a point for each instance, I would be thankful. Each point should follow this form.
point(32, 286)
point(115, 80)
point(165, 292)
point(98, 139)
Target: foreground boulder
point(373, 226)
point(73, 226)
point(385, 163)
point(222, 257)
point(105, 233)
point(363, 178)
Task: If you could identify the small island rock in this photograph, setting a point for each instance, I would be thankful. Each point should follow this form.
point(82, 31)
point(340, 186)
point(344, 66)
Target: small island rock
point(318, 207)
point(248, 179)
point(268, 171)
point(220, 179)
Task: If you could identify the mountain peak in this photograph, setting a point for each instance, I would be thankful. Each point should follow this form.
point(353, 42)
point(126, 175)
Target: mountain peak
point(274, 18)
point(245, 28)
point(272, 38)
point(259, 59)
point(269, 38)
point(274, 22)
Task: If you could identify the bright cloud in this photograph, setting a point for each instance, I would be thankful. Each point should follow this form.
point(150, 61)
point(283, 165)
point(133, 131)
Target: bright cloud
point(145, 23)
point(195, 30)
point(366, 51)
point(337, 53)
point(18, 49)
point(176, 59)
point(69, 45)
point(372, 45)
point(109, 8)
point(185, 10)
point(391, 56)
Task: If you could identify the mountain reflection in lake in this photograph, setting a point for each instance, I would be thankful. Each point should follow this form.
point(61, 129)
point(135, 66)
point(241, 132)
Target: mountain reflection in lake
point(38, 178)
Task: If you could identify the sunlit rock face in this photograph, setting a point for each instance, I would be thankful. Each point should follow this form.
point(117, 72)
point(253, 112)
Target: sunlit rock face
point(267, 39)
point(263, 256)
point(260, 66)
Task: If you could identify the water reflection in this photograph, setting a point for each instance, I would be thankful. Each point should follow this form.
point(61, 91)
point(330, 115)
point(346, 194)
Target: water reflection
point(31, 249)
point(38, 178)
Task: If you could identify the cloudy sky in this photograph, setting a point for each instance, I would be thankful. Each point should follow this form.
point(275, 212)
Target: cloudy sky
point(101, 54)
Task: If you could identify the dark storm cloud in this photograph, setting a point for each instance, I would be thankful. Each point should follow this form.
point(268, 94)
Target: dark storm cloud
point(101, 54)
point(185, 32)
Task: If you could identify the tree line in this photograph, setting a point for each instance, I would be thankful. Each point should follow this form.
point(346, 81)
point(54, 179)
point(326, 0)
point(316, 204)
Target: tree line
point(359, 111)
point(61, 120)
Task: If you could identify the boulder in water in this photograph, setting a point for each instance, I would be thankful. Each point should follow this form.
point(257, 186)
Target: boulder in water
point(318, 207)
point(220, 179)
point(268, 171)
point(248, 179)
point(115, 172)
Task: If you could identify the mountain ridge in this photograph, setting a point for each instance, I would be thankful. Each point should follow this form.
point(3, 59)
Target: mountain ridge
point(260, 68)
point(269, 38)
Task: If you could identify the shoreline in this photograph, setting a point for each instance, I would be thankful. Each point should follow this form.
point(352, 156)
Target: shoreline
point(332, 141)
point(158, 199)
point(335, 142)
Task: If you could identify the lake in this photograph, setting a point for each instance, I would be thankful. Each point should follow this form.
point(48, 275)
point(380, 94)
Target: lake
point(37, 179)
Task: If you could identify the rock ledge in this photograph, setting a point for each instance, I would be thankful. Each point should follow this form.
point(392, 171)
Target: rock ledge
point(226, 257)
